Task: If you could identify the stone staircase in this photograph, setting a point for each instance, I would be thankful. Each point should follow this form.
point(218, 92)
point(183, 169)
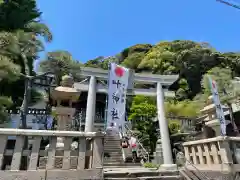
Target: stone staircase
point(116, 169)
point(112, 151)
point(140, 174)
point(207, 175)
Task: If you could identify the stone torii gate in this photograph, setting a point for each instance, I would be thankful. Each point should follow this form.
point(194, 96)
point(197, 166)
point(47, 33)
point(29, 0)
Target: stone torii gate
point(161, 82)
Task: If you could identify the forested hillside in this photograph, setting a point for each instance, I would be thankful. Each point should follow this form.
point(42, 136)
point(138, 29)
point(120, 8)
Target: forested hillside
point(193, 61)
point(189, 59)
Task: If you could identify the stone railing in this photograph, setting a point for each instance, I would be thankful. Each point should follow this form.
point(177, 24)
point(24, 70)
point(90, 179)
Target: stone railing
point(216, 154)
point(34, 162)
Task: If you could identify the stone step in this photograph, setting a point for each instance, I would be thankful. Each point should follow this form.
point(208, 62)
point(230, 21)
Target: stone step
point(147, 178)
point(108, 141)
point(107, 156)
point(121, 164)
point(118, 163)
point(137, 171)
point(111, 157)
point(115, 153)
point(110, 153)
point(161, 177)
point(111, 139)
point(112, 150)
point(130, 173)
point(128, 178)
point(112, 145)
point(113, 160)
point(185, 175)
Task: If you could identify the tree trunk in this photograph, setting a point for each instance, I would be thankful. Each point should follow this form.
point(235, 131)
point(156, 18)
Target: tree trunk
point(24, 107)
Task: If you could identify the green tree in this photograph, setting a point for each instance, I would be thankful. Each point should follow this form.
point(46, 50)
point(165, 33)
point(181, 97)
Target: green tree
point(19, 31)
point(142, 115)
point(9, 72)
point(95, 63)
point(159, 60)
point(20, 27)
point(223, 77)
point(101, 62)
point(60, 63)
point(133, 60)
point(180, 109)
point(191, 60)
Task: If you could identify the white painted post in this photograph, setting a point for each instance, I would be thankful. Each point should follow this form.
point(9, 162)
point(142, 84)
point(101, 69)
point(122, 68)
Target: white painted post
point(163, 124)
point(91, 105)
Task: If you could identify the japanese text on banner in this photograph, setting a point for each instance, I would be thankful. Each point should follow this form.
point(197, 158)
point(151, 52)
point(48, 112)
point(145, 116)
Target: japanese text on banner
point(117, 89)
point(219, 110)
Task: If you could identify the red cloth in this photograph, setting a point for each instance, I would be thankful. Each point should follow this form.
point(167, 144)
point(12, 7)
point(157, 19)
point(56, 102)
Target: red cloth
point(134, 145)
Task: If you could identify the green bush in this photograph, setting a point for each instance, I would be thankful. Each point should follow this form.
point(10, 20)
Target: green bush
point(151, 165)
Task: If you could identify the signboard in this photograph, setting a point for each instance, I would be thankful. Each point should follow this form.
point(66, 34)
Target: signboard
point(117, 89)
point(219, 110)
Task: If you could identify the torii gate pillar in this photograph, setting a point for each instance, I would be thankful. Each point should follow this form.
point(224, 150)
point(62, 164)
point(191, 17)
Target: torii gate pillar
point(163, 124)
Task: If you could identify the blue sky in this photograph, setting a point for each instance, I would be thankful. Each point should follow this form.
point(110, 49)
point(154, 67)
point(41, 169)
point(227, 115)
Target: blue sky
point(90, 28)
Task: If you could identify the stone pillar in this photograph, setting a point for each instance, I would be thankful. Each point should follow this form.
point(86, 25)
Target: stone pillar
point(163, 125)
point(158, 155)
point(64, 117)
point(91, 105)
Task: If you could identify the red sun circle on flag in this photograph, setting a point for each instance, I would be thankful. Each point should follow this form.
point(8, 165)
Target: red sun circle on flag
point(119, 71)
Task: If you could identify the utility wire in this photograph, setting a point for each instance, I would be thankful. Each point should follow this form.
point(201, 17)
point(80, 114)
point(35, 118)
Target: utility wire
point(229, 4)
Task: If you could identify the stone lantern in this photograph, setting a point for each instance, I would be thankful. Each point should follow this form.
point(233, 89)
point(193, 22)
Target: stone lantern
point(64, 96)
point(209, 116)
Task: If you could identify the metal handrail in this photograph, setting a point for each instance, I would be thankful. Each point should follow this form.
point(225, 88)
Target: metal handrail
point(140, 144)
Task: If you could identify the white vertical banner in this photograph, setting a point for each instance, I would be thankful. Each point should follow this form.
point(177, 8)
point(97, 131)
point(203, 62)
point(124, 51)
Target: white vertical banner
point(219, 110)
point(117, 89)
